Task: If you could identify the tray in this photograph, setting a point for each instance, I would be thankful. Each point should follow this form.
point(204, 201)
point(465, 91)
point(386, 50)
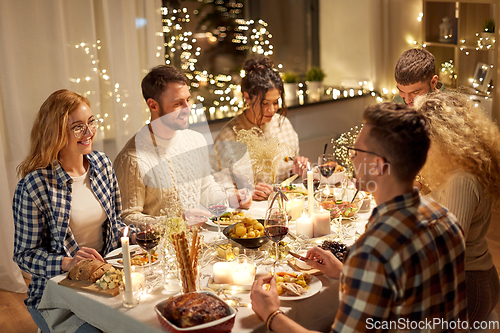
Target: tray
point(89, 286)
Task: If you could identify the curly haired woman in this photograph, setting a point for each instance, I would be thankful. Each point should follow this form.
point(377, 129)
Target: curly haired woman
point(462, 172)
point(262, 88)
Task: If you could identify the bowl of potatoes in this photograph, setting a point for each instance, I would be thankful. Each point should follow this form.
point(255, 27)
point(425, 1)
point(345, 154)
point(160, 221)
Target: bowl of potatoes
point(248, 233)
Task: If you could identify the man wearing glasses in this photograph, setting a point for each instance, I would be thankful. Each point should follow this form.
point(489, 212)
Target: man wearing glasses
point(415, 75)
point(407, 271)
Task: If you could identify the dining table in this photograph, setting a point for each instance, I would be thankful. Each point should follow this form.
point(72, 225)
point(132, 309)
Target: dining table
point(315, 312)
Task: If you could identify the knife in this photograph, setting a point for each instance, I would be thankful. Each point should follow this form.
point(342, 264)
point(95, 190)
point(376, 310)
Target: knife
point(288, 181)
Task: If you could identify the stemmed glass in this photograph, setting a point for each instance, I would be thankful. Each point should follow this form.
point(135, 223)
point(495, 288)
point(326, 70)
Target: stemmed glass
point(217, 204)
point(276, 228)
point(326, 164)
point(149, 231)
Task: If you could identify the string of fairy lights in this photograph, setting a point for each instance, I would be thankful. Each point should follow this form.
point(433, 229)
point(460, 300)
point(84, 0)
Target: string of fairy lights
point(113, 94)
point(251, 36)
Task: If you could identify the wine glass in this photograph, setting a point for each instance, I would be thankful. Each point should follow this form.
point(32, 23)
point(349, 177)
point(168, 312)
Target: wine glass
point(217, 204)
point(326, 164)
point(149, 231)
point(276, 228)
point(325, 196)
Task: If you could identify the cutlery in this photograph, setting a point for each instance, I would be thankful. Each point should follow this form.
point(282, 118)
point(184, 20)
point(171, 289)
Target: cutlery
point(120, 255)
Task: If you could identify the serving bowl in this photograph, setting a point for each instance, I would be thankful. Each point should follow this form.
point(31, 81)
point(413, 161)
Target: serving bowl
point(335, 178)
point(250, 243)
point(217, 326)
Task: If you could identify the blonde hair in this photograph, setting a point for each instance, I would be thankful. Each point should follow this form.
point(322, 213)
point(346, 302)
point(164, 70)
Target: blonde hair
point(462, 138)
point(49, 132)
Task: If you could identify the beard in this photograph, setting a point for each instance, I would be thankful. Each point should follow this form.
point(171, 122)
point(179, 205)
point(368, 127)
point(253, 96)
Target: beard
point(172, 120)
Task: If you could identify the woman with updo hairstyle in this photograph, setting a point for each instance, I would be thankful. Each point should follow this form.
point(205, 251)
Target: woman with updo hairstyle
point(66, 206)
point(462, 173)
point(262, 87)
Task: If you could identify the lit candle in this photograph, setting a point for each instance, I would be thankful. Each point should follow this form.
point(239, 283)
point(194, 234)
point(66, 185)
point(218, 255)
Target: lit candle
point(295, 207)
point(241, 277)
point(223, 272)
point(127, 267)
point(137, 279)
point(321, 223)
point(310, 190)
point(243, 273)
point(304, 226)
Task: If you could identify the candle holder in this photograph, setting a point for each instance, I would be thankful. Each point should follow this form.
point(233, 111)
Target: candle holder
point(295, 205)
point(131, 299)
point(244, 270)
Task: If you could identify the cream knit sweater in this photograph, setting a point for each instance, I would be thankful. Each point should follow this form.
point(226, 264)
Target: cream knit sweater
point(463, 195)
point(146, 181)
point(278, 128)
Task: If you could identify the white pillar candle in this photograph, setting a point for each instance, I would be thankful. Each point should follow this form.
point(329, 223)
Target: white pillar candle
point(321, 223)
point(127, 267)
point(304, 226)
point(223, 272)
point(295, 207)
point(310, 192)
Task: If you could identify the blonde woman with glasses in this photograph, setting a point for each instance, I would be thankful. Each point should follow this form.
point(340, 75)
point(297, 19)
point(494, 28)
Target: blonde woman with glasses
point(67, 204)
point(462, 173)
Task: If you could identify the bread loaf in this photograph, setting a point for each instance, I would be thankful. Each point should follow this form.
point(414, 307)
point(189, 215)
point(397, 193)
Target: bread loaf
point(88, 270)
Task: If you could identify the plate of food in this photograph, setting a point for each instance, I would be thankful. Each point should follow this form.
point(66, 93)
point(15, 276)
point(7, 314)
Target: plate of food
point(138, 257)
point(294, 188)
point(226, 219)
point(294, 286)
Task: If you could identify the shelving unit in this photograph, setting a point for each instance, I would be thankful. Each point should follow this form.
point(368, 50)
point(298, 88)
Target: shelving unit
point(467, 18)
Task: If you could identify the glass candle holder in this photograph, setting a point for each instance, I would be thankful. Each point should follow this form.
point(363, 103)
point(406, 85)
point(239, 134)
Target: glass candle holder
point(295, 205)
point(131, 298)
point(244, 270)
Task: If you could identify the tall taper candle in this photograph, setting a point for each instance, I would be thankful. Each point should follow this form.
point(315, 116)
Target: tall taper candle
point(310, 192)
point(127, 267)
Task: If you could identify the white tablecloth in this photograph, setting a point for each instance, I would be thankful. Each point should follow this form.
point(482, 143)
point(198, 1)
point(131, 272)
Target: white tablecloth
point(108, 314)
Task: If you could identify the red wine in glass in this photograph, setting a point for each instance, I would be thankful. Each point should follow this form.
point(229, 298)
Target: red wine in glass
point(217, 210)
point(147, 240)
point(327, 169)
point(327, 164)
point(276, 232)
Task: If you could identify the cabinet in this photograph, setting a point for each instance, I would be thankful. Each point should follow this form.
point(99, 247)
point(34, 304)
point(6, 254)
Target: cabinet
point(475, 59)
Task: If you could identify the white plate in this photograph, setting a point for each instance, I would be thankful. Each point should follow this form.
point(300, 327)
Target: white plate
point(314, 287)
point(213, 224)
point(117, 251)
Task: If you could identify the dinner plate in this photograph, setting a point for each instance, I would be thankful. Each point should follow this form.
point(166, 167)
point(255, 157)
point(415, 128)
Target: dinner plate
point(117, 251)
point(314, 287)
point(213, 224)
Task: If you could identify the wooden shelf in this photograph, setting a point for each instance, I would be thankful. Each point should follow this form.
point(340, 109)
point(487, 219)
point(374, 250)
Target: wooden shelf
point(467, 18)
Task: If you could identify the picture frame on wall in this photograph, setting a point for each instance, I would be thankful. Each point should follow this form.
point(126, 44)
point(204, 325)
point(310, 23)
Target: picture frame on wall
point(482, 77)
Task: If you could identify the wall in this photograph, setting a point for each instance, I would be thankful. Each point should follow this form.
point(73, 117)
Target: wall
point(363, 39)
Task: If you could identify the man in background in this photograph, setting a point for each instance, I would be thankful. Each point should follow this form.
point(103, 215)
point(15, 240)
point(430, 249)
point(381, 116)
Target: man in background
point(415, 75)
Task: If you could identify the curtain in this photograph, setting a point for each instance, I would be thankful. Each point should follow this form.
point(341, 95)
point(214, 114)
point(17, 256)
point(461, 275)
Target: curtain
point(98, 48)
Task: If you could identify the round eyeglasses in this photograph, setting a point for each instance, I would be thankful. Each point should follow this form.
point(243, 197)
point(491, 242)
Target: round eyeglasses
point(80, 130)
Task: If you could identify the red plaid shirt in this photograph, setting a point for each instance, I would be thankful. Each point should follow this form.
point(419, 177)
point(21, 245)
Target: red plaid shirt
point(406, 272)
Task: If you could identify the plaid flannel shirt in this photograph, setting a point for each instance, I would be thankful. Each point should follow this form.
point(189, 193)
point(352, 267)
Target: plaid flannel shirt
point(409, 266)
point(42, 205)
